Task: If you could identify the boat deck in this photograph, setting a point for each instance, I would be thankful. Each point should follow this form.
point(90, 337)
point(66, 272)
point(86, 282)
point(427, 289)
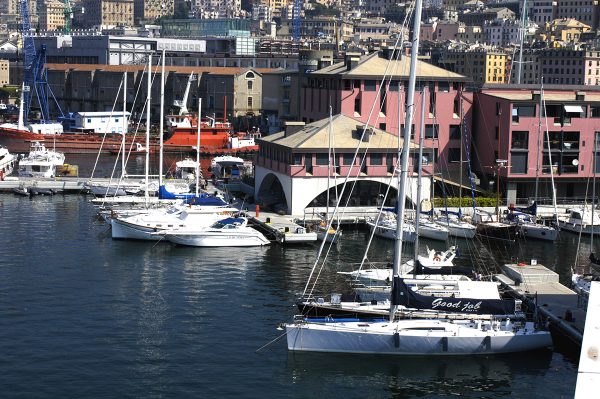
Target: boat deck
point(555, 301)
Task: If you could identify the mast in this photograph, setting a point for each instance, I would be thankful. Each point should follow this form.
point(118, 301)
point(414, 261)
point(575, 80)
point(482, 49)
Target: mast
point(328, 163)
point(410, 100)
point(148, 98)
point(21, 124)
point(162, 117)
point(521, 37)
point(198, 146)
point(460, 170)
point(537, 160)
point(550, 156)
point(593, 192)
point(419, 168)
point(124, 124)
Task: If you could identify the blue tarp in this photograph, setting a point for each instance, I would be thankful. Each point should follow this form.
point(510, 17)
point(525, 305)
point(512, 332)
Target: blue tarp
point(191, 198)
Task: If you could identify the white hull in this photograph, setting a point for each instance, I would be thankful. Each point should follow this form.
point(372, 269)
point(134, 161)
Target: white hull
point(458, 229)
point(384, 231)
point(413, 337)
point(579, 228)
point(209, 238)
point(124, 230)
point(538, 231)
point(433, 231)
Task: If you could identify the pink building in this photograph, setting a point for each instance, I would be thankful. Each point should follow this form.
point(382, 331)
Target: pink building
point(507, 127)
point(354, 88)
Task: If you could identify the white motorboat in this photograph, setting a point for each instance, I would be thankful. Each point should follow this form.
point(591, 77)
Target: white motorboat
point(227, 167)
point(386, 228)
point(228, 232)
point(145, 226)
point(580, 221)
point(40, 162)
point(186, 169)
point(7, 162)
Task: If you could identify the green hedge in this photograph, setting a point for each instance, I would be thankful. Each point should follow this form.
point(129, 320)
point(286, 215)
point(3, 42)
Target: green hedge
point(455, 202)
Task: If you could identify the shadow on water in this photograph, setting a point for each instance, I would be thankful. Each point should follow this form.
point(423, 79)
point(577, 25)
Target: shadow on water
point(485, 376)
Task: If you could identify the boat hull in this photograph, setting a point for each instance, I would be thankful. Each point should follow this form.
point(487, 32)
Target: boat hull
point(219, 239)
point(460, 230)
point(497, 231)
point(390, 233)
point(409, 337)
point(124, 230)
point(433, 233)
point(579, 228)
point(539, 232)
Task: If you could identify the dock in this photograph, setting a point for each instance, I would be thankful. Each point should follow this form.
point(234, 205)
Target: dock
point(63, 184)
point(537, 285)
point(281, 228)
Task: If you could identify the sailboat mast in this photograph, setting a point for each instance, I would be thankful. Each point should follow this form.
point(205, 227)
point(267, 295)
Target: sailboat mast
point(162, 117)
point(593, 192)
point(419, 168)
point(521, 37)
point(460, 169)
point(328, 164)
point(537, 160)
point(410, 102)
point(198, 146)
point(148, 98)
point(125, 121)
point(549, 156)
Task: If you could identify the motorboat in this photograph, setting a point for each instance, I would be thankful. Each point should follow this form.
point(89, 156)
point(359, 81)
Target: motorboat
point(40, 162)
point(580, 221)
point(228, 232)
point(227, 167)
point(186, 169)
point(7, 162)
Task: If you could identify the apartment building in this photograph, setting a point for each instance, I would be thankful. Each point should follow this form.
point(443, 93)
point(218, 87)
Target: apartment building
point(109, 13)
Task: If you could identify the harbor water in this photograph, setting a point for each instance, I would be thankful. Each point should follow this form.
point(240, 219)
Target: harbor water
point(82, 315)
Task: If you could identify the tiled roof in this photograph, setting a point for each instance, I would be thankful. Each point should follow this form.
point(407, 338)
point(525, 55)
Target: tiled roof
point(375, 66)
point(344, 136)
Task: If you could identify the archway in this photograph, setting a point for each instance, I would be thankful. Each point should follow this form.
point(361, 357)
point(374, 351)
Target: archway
point(271, 194)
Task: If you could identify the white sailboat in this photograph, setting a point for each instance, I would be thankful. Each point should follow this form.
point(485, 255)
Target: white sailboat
point(436, 336)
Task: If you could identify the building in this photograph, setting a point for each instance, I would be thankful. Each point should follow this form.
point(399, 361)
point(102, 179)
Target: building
point(52, 15)
point(353, 88)
point(150, 10)
point(541, 11)
point(213, 9)
point(200, 28)
point(483, 64)
point(501, 33)
point(566, 30)
point(101, 122)
point(108, 13)
point(470, 34)
point(4, 73)
point(585, 11)
point(291, 168)
point(563, 66)
point(478, 18)
point(446, 30)
point(507, 127)
point(318, 27)
point(280, 102)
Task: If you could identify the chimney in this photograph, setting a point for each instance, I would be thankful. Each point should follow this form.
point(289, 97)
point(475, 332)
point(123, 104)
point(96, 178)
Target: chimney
point(389, 53)
point(360, 129)
point(292, 127)
point(325, 61)
point(352, 60)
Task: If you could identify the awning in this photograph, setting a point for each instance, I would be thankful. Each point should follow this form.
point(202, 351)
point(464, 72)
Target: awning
point(575, 109)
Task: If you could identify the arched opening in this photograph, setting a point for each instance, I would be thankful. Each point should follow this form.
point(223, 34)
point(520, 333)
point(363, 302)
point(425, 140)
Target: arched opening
point(271, 195)
point(249, 75)
point(365, 193)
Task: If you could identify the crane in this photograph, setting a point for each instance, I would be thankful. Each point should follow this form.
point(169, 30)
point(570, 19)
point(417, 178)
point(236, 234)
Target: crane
point(68, 16)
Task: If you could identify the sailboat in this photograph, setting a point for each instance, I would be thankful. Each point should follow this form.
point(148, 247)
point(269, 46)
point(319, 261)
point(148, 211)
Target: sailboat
point(407, 336)
point(526, 218)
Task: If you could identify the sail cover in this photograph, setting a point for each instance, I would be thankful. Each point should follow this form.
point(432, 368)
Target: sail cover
point(405, 296)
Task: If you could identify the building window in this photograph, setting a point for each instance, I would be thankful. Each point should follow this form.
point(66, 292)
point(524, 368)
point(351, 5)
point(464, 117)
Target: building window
point(432, 131)
point(443, 87)
point(249, 102)
point(347, 158)
point(297, 159)
point(454, 132)
point(322, 159)
point(370, 85)
point(357, 106)
point(250, 84)
point(518, 162)
point(520, 140)
point(376, 159)
point(308, 163)
point(453, 154)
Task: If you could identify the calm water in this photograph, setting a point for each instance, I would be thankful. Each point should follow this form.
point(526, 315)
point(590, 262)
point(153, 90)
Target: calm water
point(82, 315)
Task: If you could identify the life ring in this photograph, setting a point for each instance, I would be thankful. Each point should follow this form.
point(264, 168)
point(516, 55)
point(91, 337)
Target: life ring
point(437, 259)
